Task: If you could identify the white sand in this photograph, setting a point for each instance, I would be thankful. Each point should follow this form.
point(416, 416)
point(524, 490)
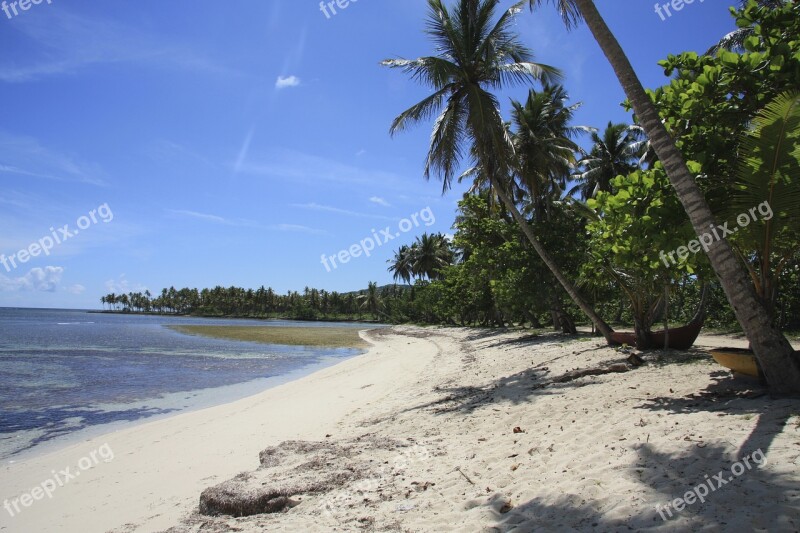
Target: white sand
point(598, 453)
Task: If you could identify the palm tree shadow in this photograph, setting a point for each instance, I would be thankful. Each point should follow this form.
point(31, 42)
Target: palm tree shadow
point(735, 502)
point(519, 388)
point(730, 395)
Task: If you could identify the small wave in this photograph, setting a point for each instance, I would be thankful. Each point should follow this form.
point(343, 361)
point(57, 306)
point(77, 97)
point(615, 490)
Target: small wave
point(73, 323)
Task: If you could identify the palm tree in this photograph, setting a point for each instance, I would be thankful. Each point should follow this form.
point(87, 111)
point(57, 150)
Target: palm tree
point(544, 145)
point(400, 266)
point(371, 301)
point(734, 41)
point(780, 365)
point(767, 170)
point(616, 153)
point(430, 254)
point(475, 56)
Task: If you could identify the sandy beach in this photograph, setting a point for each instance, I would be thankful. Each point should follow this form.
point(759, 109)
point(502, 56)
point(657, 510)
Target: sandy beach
point(447, 430)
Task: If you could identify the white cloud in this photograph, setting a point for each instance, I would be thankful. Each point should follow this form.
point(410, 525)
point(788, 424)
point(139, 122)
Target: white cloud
point(380, 201)
point(123, 286)
point(76, 289)
point(44, 279)
point(287, 81)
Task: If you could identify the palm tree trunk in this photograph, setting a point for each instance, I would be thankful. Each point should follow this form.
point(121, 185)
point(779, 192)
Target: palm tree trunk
point(776, 356)
point(601, 325)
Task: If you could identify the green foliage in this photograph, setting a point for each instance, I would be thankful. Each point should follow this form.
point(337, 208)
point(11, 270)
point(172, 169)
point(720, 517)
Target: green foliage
point(635, 229)
point(768, 176)
point(711, 100)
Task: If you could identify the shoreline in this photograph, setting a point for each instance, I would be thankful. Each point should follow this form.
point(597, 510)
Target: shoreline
point(160, 467)
point(169, 403)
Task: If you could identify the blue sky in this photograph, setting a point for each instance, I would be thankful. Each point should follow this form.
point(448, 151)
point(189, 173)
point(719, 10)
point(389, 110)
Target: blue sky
point(235, 143)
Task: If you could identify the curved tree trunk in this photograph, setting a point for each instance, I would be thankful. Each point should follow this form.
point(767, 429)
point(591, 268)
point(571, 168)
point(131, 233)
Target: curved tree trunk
point(601, 325)
point(776, 356)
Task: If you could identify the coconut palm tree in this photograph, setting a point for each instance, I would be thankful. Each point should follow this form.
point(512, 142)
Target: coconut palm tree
point(400, 265)
point(430, 254)
point(778, 361)
point(616, 153)
point(371, 300)
point(476, 55)
point(543, 140)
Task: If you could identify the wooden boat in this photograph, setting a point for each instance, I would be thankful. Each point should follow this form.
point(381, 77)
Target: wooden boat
point(681, 338)
point(739, 360)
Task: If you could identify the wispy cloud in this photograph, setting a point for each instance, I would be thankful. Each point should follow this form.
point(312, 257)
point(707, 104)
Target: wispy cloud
point(25, 156)
point(215, 219)
point(205, 217)
point(380, 201)
point(295, 228)
point(338, 211)
point(300, 166)
point(66, 42)
point(245, 149)
point(284, 82)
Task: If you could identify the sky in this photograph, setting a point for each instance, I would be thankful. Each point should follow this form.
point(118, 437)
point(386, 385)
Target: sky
point(197, 143)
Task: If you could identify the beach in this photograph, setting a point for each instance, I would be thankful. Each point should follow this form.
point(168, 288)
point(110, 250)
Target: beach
point(452, 429)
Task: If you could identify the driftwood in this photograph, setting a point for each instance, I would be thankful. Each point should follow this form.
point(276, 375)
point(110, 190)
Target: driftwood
point(616, 368)
point(233, 499)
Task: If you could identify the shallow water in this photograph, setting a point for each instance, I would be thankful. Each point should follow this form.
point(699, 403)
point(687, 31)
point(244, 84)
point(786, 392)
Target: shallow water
point(64, 371)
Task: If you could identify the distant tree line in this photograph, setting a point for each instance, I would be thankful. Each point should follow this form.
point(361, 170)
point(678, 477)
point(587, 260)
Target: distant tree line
point(264, 302)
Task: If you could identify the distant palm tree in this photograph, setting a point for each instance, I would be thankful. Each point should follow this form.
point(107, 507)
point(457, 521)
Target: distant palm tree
point(617, 152)
point(778, 361)
point(543, 140)
point(477, 55)
point(400, 265)
point(371, 301)
point(430, 254)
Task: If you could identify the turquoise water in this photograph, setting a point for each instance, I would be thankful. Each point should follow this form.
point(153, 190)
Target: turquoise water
point(62, 372)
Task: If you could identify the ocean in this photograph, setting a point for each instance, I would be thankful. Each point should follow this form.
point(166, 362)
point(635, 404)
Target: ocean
point(69, 374)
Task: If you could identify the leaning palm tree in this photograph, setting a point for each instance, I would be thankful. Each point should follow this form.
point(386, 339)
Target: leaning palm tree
point(615, 153)
point(476, 55)
point(778, 361)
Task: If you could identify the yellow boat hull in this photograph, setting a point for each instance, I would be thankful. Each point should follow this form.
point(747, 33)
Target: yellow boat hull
point(738, 360)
